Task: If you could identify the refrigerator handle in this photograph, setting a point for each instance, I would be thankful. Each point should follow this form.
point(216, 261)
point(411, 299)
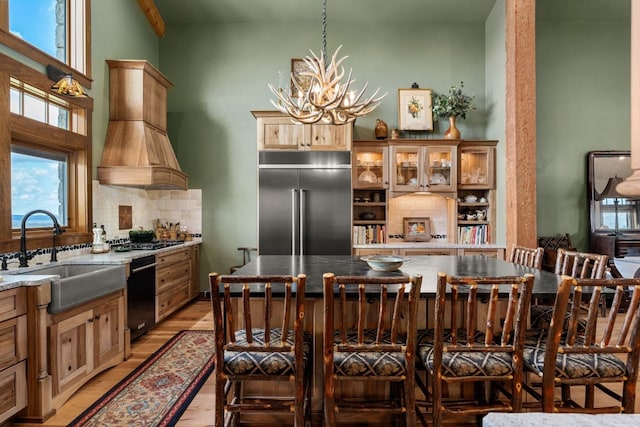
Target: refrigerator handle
point(294, 210)
point(302, 218)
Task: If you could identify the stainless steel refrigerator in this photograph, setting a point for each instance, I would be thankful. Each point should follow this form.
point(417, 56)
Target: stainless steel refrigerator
point(304, 202)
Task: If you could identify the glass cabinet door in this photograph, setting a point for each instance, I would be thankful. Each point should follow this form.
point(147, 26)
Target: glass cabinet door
point(476, 167)
point(406, 168)
point(440, 168)
point(370, 167)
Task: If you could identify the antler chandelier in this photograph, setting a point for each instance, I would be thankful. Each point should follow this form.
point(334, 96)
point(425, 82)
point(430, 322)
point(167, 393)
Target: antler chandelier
point(324, 96)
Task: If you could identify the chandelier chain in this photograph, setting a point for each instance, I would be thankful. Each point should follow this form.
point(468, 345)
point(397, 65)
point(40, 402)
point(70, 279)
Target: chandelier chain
point(324, 31)
point(321, 92)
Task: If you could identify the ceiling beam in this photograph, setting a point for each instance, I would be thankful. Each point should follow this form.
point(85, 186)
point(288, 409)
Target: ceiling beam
point(153, 15)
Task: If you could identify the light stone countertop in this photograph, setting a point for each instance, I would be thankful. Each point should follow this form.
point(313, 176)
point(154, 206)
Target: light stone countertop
point(26, 276)
point(427, 245)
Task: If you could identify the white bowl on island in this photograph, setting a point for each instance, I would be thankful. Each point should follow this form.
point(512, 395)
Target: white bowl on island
point(384, 262)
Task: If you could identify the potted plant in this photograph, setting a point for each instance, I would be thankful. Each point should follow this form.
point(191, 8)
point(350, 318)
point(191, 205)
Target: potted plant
point(452, 105)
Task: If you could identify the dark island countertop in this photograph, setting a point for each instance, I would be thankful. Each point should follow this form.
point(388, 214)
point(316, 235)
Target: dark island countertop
point(314, 266)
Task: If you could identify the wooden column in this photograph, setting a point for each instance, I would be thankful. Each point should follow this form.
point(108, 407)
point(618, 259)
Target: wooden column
point(631, 185)
point(521, 123)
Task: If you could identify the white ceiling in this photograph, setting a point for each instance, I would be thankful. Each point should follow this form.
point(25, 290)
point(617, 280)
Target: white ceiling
point(410, 11)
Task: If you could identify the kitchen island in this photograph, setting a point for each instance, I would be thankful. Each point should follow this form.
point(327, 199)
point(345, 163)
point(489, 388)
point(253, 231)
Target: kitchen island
point(314, 266)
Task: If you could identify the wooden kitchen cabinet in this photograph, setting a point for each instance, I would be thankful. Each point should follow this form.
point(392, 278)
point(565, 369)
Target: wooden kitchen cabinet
point(376, 251)
point(423, 165)
point(276, 131)
point(195, 272)
point(426, 251)
point(491, 253)
point(173, 281)
point(476, 192)
point(13, 352)
point(476, 165)
point(370, 178)
point(84, 341)
point(108, 321)
point(370, 166)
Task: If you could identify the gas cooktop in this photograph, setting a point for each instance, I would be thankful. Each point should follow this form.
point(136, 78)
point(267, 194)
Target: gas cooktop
point(154, 245)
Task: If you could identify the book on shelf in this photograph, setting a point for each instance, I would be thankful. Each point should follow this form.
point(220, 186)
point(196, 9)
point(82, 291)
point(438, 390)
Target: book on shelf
point(369, 234)
point(473, 234)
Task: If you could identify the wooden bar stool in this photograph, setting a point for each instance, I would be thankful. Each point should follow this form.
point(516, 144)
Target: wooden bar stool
point(275, 349)
point(477, 344)
point(577, 351)
point(370, 338)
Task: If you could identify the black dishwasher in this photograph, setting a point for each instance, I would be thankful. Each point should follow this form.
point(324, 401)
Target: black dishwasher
point(141, 295)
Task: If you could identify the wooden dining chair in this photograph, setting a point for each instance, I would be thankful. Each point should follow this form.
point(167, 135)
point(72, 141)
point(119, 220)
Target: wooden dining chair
point(480, 342)
point(580, 265)
point(579, 351)
point(530, 257)
point(257, 341)
point(369, 340)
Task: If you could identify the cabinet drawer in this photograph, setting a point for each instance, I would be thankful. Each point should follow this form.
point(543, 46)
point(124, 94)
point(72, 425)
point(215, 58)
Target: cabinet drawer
point(167, 277)
point(367, 251)
point(428, 252)
point(169, 301)
point(13, 303)
point(171, 257)
point(13, 390)
point(491, 253)
point(13, 341)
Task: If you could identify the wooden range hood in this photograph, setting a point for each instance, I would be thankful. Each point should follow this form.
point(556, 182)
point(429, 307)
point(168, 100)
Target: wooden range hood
point(137, 151)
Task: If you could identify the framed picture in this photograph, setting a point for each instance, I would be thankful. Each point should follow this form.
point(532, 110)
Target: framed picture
point(414, 109)
point(297, 67)
point(417, 229)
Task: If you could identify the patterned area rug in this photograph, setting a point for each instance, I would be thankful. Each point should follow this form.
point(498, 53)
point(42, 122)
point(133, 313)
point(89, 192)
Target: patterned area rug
point(158, 391)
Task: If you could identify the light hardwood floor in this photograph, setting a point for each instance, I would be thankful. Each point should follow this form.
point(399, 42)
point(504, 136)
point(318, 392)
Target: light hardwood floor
point(195, 316)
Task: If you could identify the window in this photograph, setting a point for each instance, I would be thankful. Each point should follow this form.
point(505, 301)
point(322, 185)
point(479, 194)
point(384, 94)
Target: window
point(41, 23)
point(49, 32)
point(45, 153)
point(39, 180)
point(29, 101)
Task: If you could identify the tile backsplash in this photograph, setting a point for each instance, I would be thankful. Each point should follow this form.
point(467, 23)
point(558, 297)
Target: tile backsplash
point(433, 206)
point(169, 206)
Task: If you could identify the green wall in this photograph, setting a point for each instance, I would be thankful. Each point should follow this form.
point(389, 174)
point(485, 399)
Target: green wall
point(222, 71)
point(119, 30)
point(582, 105)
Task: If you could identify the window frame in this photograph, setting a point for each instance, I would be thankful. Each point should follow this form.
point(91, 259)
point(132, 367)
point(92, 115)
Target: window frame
point(78, 41)
point(32, 133)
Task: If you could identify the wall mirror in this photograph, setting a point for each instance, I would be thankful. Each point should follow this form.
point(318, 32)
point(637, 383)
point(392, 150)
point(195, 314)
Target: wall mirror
point(610, 212)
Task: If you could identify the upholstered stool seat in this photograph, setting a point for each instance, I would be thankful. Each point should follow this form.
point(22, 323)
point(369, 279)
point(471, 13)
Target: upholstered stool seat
point(469, 364)
point(257, 362)
point(573, 366)
point(371, 363)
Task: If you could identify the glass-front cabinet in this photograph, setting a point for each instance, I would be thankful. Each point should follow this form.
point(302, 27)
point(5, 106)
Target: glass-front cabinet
point(476, 166)
point(370, 165)
point(440, 167)
point(424, 167)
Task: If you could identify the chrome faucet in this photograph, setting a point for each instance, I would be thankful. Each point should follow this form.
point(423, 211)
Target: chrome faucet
point(24, 256)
